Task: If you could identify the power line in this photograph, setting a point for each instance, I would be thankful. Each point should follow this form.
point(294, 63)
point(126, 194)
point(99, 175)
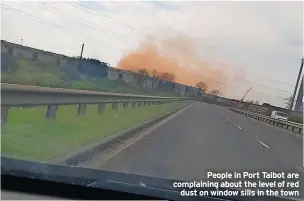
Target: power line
point(244, 80)
point(91, 27)
point(54, 25)
point(66, 30)
point(235, 87)
point(162, 41)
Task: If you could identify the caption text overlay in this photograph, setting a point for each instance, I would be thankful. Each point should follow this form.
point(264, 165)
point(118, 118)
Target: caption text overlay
point(285, 184)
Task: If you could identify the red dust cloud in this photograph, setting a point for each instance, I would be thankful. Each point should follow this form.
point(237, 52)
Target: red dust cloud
point(177, 56)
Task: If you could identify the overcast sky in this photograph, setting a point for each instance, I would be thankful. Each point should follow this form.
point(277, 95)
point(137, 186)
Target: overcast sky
point(262, 39)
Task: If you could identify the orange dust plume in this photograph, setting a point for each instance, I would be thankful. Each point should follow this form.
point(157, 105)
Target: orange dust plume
point(179, 57)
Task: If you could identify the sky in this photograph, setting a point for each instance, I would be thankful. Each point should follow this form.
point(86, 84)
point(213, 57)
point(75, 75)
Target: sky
point(260, 42)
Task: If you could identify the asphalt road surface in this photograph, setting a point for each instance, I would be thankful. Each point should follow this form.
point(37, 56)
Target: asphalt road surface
point(206, 137)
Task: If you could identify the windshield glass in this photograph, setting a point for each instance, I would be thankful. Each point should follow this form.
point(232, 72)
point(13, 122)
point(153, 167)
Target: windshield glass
point(164, 89)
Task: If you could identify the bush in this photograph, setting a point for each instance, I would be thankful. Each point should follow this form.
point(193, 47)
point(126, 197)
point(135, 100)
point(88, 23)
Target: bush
point(8, 64)
point(28, 72)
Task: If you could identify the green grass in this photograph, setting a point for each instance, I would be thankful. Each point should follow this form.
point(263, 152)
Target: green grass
point(297, 119)
point(28, 72)
point(28, 135)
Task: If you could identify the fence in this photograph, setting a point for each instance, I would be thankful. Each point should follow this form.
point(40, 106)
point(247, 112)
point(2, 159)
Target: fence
point(11, 51)
point(21, 95)
point(295, 127)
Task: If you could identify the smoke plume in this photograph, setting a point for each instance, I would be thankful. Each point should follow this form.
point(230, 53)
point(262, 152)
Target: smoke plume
point(179, 57)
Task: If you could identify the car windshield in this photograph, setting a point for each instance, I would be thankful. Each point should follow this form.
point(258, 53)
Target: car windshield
point(175, 90)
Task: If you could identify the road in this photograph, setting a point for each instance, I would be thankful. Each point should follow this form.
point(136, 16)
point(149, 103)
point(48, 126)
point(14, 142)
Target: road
point(206, 137)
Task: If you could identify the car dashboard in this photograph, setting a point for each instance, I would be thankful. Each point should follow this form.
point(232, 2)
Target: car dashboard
point(22, 180)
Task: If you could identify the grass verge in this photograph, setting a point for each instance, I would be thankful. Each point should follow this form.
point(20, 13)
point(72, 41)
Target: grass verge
point(297, 119)
point(28, 135)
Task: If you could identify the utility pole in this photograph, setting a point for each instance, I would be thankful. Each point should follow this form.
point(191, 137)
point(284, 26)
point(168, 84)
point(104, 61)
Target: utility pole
point(299, 100)
point(244, 96)
point(81, 50)
point(297, 84)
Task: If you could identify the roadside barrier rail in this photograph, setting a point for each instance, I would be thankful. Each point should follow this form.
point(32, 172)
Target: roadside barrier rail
point(13, 95)
point(289, 125)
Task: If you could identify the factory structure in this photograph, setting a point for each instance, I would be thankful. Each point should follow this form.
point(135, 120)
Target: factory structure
point(99, 69)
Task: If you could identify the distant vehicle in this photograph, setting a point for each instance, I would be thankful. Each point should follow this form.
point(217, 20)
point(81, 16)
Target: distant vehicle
point(279, 115)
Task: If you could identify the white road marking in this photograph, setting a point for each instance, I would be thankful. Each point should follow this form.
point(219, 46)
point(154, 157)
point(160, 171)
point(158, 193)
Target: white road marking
point(142, 184)
point(239, 127)
point(144, 135)
point(284, 131)
point(92, 183)
point(264, 145)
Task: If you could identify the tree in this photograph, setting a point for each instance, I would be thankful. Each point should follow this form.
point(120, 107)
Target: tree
point(171, 77)
point(165, 76)
point(215, 92)
point(141, 75)
point(202, 86)
point(155, 76)
point(266, 105)
point(288, 102)
point(154, 73)
point(143, 72)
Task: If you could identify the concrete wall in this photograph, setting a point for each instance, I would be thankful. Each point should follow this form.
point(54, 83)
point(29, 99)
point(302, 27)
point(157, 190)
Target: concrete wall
point(71, 62)
point(180, 88)
point(113, 74)
point(23, 52)
point(64, 61)
point(148, 83)
point(193, 91)
point(48, 58)
point(4, 48)
point(28, 52)
point(127, 76)
point(38, 55)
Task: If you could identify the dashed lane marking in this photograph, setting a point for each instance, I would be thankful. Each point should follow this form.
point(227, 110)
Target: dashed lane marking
point(265, 145)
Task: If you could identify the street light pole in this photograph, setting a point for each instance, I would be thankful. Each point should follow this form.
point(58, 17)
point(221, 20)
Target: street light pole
point(244, 96)
point(296, 87)
point(81, 50)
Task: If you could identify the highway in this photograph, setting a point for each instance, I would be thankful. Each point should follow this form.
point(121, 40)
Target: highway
point(205, 137)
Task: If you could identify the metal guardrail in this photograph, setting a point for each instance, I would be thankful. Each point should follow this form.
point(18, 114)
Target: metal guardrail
point(295, 127)
point(13, 95)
